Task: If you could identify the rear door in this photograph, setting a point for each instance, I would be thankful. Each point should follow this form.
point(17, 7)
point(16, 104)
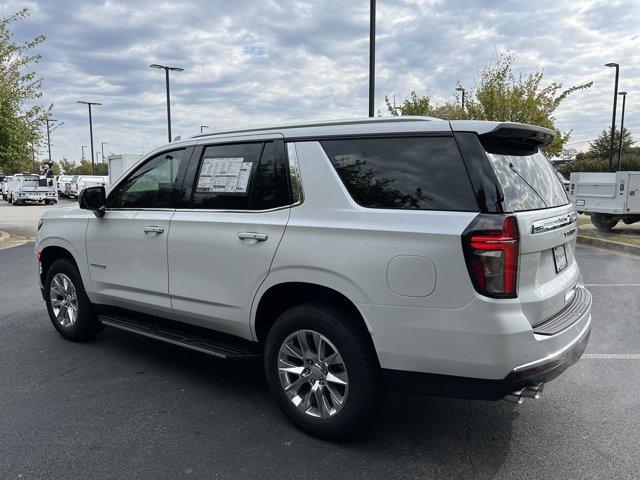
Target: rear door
point(222, 246)
point(547, 269)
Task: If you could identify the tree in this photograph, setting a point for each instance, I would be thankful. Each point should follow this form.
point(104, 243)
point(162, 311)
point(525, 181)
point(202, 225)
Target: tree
point(20, 125)
point(501, 96)
point(600, 146)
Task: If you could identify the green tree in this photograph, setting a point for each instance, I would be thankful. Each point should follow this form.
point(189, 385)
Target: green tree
point(600, 146)
point(501, 96)
point(20, 125)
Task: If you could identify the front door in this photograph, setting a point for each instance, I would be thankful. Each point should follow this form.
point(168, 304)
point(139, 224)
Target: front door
point(127, 248)
point(221, 248)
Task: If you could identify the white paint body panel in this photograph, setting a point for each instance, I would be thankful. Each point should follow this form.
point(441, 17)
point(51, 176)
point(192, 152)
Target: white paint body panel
point(614, 193)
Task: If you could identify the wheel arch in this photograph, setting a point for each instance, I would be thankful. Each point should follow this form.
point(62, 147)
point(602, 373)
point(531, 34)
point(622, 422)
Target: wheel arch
point(282, 296)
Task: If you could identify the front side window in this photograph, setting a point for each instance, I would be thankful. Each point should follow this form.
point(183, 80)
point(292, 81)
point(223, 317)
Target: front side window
point(413, 173)
point(152, 185)
point(249, 176)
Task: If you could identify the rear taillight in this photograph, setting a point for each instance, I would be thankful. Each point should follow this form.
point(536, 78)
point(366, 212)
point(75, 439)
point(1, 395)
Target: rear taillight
point(490, 247)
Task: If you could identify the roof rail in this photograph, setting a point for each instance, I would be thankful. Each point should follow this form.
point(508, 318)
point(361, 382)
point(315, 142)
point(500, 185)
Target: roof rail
point(326, 123)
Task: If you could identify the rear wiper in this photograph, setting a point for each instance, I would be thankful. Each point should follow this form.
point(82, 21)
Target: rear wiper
point(528, 184)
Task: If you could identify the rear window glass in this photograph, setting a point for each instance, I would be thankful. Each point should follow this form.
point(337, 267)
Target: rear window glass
point(416, 173)
point(528, 182)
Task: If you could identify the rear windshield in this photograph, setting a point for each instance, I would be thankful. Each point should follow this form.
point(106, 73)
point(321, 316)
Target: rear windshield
point(528, 182)
point(413, 173)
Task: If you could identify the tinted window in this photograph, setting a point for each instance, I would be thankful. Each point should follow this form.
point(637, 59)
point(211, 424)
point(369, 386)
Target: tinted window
point(528, 182)
point(224, 179)
point(152, 185)
point(421, 173)
point(271, 186)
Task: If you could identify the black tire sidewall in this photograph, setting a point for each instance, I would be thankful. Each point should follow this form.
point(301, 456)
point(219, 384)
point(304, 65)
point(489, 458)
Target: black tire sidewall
point(86, 325)
point(360, 360)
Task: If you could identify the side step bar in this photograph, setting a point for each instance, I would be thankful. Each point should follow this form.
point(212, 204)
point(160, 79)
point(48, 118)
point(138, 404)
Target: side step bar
point(216, 347)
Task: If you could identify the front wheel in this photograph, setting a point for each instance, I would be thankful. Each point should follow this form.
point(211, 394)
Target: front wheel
point(70, 310)
point(323, 371)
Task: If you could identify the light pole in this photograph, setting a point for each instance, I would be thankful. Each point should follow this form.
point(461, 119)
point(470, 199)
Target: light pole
point(102, 144)
point(202, 127)
point(49, 121)
point(613, 120)
point(460, 89)
point(372, 56)
point(83, 147)
point(166, 75)
point(624, 101)
point(89, 104)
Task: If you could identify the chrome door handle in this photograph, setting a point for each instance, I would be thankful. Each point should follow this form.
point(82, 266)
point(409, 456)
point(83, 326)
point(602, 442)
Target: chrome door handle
point(152, 229)
point(258, 237)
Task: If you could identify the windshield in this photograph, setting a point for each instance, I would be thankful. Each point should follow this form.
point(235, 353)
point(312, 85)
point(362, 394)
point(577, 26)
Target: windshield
point(528, 182)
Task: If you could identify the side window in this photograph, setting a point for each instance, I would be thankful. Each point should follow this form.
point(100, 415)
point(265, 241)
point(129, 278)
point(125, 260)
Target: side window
point(271, 185)
point(152, 185)
point(413, 173)
point(224, 179)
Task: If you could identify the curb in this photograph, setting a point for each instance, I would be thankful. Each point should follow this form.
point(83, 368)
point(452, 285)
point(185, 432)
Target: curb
point(609, 245)
point(4, 238)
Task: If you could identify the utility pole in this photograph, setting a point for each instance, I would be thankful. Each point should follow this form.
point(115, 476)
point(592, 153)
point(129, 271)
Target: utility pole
point(613, 120)
point(461, 90)
point(624, 101)
point(102, 144)
point(83, 147)
point(372, 56)
point(93, 165)
point(166, 76)
point(49, 122)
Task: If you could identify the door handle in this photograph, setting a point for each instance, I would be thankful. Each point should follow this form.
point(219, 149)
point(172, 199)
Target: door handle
point(153, 229)
point(257, 237)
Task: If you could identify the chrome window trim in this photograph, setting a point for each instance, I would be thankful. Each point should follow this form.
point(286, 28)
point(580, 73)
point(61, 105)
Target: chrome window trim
point(297, 191)
point(150, 209)
point(553, 223)
point(222, 210)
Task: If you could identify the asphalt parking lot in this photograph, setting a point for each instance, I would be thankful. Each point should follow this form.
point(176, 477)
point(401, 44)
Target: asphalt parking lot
point(127, 407)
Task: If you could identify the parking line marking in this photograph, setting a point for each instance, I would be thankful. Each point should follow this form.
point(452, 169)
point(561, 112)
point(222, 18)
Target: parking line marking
point(612, 284)
point(612, 356)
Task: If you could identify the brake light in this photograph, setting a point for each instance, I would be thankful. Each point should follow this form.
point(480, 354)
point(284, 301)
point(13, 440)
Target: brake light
point(490, 246)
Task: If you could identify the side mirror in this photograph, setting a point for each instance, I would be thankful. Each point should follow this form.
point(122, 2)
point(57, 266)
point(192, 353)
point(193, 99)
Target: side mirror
point(94, 199)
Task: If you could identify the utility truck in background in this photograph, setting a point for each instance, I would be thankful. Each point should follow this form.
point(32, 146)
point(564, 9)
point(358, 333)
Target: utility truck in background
point(28, 187)
point(118, 164)
point(607, 197)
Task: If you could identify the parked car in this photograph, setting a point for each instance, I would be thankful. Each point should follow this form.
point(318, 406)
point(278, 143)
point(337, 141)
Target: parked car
point(78, 182)
point(28, 187)
point(355, 256)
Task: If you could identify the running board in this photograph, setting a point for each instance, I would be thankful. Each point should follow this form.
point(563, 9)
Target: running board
point(211, 346)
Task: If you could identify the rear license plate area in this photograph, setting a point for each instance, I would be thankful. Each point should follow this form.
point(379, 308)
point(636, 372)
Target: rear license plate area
point(560, 257)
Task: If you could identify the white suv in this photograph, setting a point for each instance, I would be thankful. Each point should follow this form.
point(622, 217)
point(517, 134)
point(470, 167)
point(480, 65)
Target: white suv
point(354, 256)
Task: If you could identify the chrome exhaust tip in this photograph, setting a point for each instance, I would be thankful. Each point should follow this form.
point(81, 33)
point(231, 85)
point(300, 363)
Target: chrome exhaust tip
point(518, 396)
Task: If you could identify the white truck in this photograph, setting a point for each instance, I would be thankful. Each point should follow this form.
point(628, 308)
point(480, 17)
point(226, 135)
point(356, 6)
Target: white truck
point(118, 164)
point(607, 197)
point(6, 187)
point(74, 187)
point(61, 182)
point(27, 187)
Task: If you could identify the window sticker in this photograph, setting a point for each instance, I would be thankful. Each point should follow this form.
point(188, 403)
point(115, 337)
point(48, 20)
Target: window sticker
point(224, 175)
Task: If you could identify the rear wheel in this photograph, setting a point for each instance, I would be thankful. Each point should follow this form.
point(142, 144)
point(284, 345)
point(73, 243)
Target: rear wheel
point(323, 370)
point(603, 221)
point(70, 310)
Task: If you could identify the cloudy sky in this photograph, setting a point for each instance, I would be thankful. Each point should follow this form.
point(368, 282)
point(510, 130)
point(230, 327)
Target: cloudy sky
point(250, 62)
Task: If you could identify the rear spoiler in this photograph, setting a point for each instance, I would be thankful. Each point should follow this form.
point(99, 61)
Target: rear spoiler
point(507, 137)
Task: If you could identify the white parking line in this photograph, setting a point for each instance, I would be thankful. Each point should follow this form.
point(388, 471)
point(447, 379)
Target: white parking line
point(612, 356)
point(612, 284)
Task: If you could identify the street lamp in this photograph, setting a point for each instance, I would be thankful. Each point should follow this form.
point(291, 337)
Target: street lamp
point(166, 74)
point(613, 120)
point(202, 127)
point(102, 144)
point(460, 89)
point(624, 101)
point(372, 56)
point(89, 104)
point(83, 147)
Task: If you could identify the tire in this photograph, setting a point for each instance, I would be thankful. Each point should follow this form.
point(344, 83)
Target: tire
point(364, 388)
point(46, 202)
point(85, 326)
point(603, 221)
point(10, 200)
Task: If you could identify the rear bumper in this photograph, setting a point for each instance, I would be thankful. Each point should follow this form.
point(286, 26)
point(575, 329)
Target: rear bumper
point(530, 374)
